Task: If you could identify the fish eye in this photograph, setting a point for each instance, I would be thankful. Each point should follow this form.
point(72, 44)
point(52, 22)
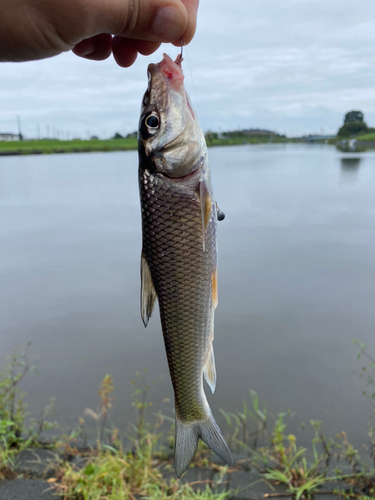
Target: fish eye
point(152, 121)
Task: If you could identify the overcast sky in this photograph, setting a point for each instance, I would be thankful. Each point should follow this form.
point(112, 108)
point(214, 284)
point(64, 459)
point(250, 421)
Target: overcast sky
point(295, 66)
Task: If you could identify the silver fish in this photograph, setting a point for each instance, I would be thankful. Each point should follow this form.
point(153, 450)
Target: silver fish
point(179, 251)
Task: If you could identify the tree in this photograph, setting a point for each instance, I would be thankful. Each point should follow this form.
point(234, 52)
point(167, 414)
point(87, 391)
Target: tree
point(117, 136)
point(353, 116)
point(353, 124)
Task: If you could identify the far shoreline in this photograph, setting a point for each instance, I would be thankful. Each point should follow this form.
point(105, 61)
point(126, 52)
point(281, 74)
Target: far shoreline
point(54, 146)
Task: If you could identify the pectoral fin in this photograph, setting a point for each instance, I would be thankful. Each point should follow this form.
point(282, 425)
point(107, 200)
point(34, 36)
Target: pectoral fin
point(148, 294)
point(206, 204)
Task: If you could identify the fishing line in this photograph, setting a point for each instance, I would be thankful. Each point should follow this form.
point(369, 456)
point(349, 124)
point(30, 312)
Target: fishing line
point(192, 81)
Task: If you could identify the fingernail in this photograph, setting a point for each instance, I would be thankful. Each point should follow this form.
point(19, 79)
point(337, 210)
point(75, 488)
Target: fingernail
point(168, 24)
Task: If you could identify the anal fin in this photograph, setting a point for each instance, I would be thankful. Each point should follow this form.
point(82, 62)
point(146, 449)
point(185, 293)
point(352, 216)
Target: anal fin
point(209, 369)
point(148, 294)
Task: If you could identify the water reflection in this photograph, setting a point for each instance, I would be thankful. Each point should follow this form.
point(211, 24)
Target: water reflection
point(350, 147)
point(349, 168)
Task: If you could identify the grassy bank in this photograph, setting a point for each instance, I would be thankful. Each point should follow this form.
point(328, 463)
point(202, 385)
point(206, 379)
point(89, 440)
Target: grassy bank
point(370, 138)
point(54, 146)
point(366, 137)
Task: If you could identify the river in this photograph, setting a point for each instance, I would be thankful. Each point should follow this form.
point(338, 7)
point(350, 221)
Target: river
point(296, 281)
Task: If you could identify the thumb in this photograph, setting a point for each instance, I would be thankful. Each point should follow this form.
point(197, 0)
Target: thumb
point(151, 20)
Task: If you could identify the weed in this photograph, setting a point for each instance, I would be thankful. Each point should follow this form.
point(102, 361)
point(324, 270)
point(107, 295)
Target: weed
point(12, 404)
point(105, 389)
point(287, 463)
point(140, 403)
point(12, 409)
point(239, 423)
point(117, 476)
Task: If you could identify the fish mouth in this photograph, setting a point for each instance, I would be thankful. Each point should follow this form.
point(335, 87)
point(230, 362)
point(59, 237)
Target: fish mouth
point(172, 71)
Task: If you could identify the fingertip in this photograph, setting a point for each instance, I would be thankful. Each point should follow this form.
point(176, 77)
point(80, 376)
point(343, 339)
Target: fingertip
point(96, 48)
point(170, 23)
point(191, 8)
point(146, 48)
point(124, 51)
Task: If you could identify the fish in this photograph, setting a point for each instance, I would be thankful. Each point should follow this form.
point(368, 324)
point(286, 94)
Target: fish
point(179, 252)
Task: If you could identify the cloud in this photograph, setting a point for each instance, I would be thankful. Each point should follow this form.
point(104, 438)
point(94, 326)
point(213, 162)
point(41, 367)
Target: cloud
point(294, 65)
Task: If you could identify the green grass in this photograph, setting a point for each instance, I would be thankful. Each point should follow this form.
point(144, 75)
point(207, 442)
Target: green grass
point(54, 146)
point(115, 475)
point(74, 146)
point(366, 137)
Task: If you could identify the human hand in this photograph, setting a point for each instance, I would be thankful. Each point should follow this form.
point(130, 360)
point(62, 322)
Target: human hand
point(36, 29)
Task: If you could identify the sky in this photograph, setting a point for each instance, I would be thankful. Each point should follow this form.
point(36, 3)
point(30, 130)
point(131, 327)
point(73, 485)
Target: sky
point(295, 67)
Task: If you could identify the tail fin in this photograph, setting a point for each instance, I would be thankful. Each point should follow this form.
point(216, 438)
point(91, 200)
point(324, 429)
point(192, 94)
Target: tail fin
point(187, 436)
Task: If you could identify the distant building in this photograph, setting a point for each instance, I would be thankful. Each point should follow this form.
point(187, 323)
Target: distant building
point(9, 137)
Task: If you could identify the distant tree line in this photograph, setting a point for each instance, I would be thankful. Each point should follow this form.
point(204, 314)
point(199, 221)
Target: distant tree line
point(132, 135)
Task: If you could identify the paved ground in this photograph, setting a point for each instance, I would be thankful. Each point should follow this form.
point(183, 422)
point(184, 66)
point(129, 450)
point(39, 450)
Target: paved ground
point(26, 489)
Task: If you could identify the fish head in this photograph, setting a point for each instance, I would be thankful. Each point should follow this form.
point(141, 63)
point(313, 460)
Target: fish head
point(169, 135)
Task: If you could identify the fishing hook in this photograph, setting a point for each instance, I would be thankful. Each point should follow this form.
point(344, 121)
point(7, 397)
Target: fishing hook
point(179, 58)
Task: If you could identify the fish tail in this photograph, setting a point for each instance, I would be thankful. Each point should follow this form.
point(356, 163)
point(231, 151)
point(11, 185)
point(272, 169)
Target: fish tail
point(187, 435)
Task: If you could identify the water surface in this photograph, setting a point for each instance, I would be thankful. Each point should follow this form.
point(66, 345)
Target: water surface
point(296, 280)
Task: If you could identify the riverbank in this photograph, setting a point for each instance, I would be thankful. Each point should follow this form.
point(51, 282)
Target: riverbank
point(41, 474)
point(55, 146)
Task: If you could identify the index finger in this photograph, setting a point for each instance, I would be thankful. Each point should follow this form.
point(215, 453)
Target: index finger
point(191, 7)
point(151, 20)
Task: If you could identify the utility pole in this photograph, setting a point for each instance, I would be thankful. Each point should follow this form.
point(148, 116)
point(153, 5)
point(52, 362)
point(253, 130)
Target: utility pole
point(19, 128)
